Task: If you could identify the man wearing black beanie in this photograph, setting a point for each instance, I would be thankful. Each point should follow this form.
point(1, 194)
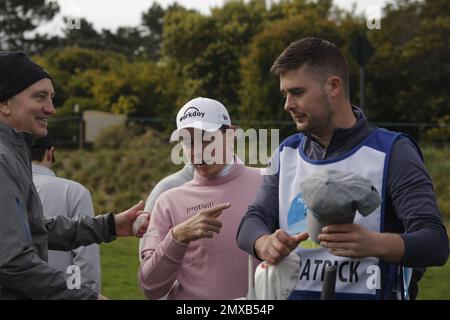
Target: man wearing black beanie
point(26, 92)
point(18, 72)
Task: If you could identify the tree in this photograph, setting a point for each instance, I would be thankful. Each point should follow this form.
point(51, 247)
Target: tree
point(143, 41)
point(75, 71)
point(108, 81)
point(153, 19)
point(152, 23)
point(129, 41)
point(205, 51)
point(407, 75)
point(139, 88)
point(259, 92)
point(84, 37)
point(20, 17)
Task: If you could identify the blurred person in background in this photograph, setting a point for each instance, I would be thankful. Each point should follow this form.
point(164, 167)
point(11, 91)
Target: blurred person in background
point(61, 196)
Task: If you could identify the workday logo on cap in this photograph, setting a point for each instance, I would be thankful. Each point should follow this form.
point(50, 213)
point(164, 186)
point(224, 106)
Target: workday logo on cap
point(204, 114)
point(191, 112)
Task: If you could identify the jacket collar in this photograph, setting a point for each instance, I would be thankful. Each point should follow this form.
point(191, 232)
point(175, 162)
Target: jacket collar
point(21, 141)
point(234, 172)
point(342, 140)
point(39, 169)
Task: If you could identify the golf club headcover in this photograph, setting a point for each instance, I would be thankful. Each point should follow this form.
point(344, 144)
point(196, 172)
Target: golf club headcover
point(334, 197)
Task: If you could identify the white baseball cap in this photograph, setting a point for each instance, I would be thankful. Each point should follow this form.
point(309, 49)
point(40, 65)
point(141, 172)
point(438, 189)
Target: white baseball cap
point(204, 114)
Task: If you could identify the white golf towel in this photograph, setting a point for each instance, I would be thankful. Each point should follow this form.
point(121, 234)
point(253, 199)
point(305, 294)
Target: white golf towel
point(276, 282)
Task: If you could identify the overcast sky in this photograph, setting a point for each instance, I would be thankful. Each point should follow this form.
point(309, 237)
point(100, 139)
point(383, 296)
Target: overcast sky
point(110, 14)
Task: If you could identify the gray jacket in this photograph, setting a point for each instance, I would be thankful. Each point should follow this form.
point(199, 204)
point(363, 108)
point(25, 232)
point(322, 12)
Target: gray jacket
point(26, 234)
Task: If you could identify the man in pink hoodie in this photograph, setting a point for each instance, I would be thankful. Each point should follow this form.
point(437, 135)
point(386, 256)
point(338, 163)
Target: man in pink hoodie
point(190, 250)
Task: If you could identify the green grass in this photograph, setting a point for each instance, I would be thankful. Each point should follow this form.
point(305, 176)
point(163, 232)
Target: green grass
point(438, 165)
point(435, 284)
point(120, 262)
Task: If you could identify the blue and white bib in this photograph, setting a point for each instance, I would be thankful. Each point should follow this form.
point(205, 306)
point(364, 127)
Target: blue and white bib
point(356, 278)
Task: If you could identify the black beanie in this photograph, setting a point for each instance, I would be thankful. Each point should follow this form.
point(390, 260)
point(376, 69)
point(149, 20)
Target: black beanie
point(18, 72)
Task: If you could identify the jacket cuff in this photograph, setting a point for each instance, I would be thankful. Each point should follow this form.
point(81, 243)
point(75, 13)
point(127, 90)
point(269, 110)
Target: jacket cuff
point(425, 248)
point(112, 226)
point(255, 237)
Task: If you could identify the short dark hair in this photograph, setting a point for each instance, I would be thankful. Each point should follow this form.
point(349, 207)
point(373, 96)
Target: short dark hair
point(40, 146)
point(320, 54)
point(224, 127)
point(37, 154)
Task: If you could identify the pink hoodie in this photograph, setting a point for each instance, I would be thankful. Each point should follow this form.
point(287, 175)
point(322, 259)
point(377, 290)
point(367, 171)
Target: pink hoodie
point(207, 268)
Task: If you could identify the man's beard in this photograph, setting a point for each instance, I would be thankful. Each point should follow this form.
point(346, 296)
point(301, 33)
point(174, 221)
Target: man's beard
point(317, 124)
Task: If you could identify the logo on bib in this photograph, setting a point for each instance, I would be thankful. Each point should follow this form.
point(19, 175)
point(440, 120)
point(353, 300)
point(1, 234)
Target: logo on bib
point(296, 217)
point(296, 221)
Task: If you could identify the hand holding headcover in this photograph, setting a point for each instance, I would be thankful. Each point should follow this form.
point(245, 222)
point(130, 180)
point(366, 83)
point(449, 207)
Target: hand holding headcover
point(333, 197)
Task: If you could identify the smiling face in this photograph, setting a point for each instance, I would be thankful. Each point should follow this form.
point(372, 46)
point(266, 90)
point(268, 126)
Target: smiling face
point(30, 109)
point(213, 152)
point(306, 100)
